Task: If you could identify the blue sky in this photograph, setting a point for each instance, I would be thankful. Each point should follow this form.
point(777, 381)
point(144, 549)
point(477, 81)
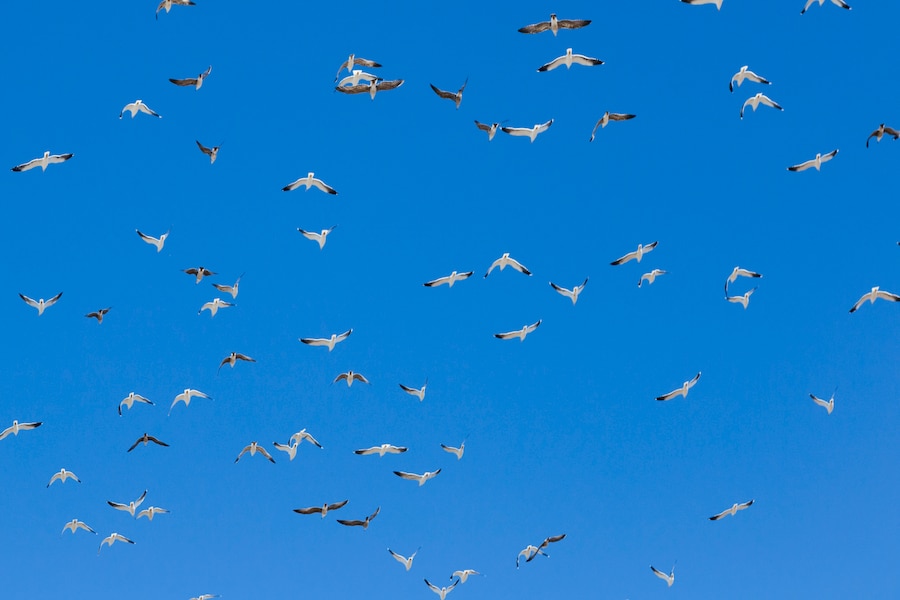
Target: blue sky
point(562, 431)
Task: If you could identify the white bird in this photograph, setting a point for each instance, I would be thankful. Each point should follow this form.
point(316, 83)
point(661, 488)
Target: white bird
point(529, 132)
point(349, 377)
point(304, 435)
point(233, 358)
point(651, 276)
point(129, 401)
point(74, 525)
point(229, 289)
point(554, 25)
point(739, 272)
point(490, 129)
point(253, 448)
point(43, 162)
point(456, 97)
point(418, 393)
point(138, 106)
point(682, 391)
point(199, 273)
point(457, 452)
point(606, 118)
point(406, 562)
point(743, 74)
point(321, 509)
point(373, 87)
point(743, 300)
point(158, 242)
point(731, 511)
point(637, 254)
point(420, 478)
point(205, 597)
point(317, 237)
point(131, 506)
point(464, 574)
point(874, 295)
point(16, 427)
point(528, 552)
point(755, 101)
point(532, 551)
point(718, 3)
point(186, 396)
point(356, 76)
point(809, 3)
point(364, 523)
point(168, 4)
point(327, 342)
point(310, 181)
point(197, 81)
point(569, 59)
point(291, 449)
point(879, 133)
point(449, 279)
point(381, 450)
point(826, 404)
point(669, 579)
point(521, 333)
point(111, 538)
point(505, 261)
point(62, 476)
point(41, 304)
point(353, 61)
point(212, 153)
point(213, 306)
point(573, 293)
point(816, 162)
point(150, 511)
point(441, 592)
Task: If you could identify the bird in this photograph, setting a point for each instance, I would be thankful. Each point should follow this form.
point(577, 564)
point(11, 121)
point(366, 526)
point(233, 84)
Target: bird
point(682, 391)
point(349, 377)
point(743, 300)
point(158, 242)
point(205, 597)
point(213, 306)
point(356, 76)
point(420, 478)
point(418, 393)
point(554, 25)
point(651, 276)
point(743, 74)
point(381, 450)
point(253, 448)
point(441, 592)
point(569, 59)
point(879, 133)
point(304, 435)
point(458, 452)
point(186, 396)
point(353, 61)
point(229, 289)
point(62, 476)
point(373, 87)
point(146, 439)
point(755, 101)
point(138, 106)
point(131, 506)
point(826, 404)
point(364, 523)
point(809, 3)
point(606, 118)
point(520, 333)
point(406, 562)
point(456, 97)
point(731, 511)
point(816, 162)
point(874, 295)
point(310, 181)
point(464, 574)
point(233, 358)
point(529, 132)
point(98, 314)
point(199, 273)
point(41, 304)
point(547, 541)
point(197, 81)
point(718, 3)
point(212, 153)
point(112, 538)
point(321, 509)
point(291, 449)
point(739, 272)
point(150, 511)
point(130, 399)
point(449, 279)
point(573, 293)
point(317, 237)
point(637, 254)
point(43, 162)
point(669, 579)
point(490, 129)
point(74, 525)
point(327, 342)
point(505, 261)
point(16, 427)
point(167, 4)
point(528, 552)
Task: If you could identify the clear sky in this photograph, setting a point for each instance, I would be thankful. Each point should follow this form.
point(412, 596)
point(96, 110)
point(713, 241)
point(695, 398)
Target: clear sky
point(563, 433)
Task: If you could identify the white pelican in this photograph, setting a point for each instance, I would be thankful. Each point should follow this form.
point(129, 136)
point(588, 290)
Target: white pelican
point(364, 524)
point(682, 391)
point(186, 396)
point(229, 289)
point(455, 97)
point(197, 81)
point(879, 133)
point(606, 118)
point(418, 393)
point(16, 427)
point(319, 238)
point(146, 439)
point(573, 293)
point(420, 478)
point(327, 342)
point(253, 448)
point(457, 452)
point(42, 162)
point(505, 261)
point(464, 574)
point(291, 449)
point(529, 132)
point(490, 129)
point(310, 181)
point(130, 507)
point(130, 399)
point(212, 153)
point(449, 279)
point(138, 106)
point(739, 272)
point(158, 242)
point(62, 476)
point(321, 509)
point(743, 74)
point(349, 377)
point(809, 3)
point(111, 538)
point(41, 304)
point(98, 314)
point(874, 295)
point(826, 404)
point(213, 306)
point(373, 87)
point(353, 61)
point(150, 511)
point(521, 333)
point(731, 511)
point(356, 76)
point(406, 562)
point(554, 25)
point(199, 273)
point(381, 450)
point(743, 300)
point(441, 592)
point(755, 101)
point(233, 358)
point(718, 3)
point(651, 276)
point(816, 162)
point(304, 435)
point(167, 4)
point(637, 254)
point(74, 525)
point(669, 579)
point(568, 59)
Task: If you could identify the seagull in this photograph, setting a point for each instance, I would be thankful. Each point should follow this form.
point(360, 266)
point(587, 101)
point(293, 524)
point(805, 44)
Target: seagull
point(381, 450)
point(352, 61)
point(879, 133)
point(167, 4)
point(568, 59)
point(62, 476)
point(130, 399)
point(531, 132)
point(758, 99)
point(669, 579)
point(651, 276)
point(327, 342)
point(809, 3)
point(826, 404)
point(743, 300)
point(372, 87)
point(146, 439)
point(197, 81)
point(490, 129)
point(131, 506)
point(420, 478)
point(637, 254)
point(505, 261)
point(456, 97)
point(606, 118)
point(420, 393)
point(233, 358)
point(16, 427)
point(42, 162)
point(573, 293)
point(303, 435)
point(310, 181)
point(158, 242)
point(718, 3)
point(743, 74)
point(150, 511)
point(229, 289)
point(464, 574)
point(317, 237)
point(449, 279)
point(200, 273)
point(113, 537)
point(554, 25)
point(98, 314)
point(186, 396)
point(739, 272)
point(442, 592)
point(205, 597)
point(253, 448)
point(364, 524)
point(874, 295)
point(816, 162)
point(406, 562)
point(357, 76)
point(138, 106)
point(731, 511)
point(547, 541)
point(349, 376)
point(41, 304)
point(521, 333)
point(320, 509)
point(74, 525)
point(214, 306)
point(291, 449)
point(211, 152)
point(682, 391)
point(458, 452)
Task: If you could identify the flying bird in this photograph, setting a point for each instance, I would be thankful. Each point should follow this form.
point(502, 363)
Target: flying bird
point(16, 427)
point(186, 396)
point(212, 153)
point(364, 524)
point(682, 391)
point(291, 449)
point(310, 181)
point(130, 399)
point(43, 162)
point(229, 289)
point(571, 294)
point(554, 25)
point(731, 511)
point(327, 342)
point(755, 101)
point(529, 552)
point(213, 306)
point(205, 597)
point(739, 272)
point(809, 3)
point(381, 450)
point(879, 133)
point(606, 118)
point(457, 452)
point(441, 592)
point(353, 61)
point(349, 377)
point(455, 97)
point(197, 81)
point(826, 404)
point(138, 106)
point(168, 4)
point(637, 254)
point(521, 333)
point(319, 238)
point(158, 242)
point(464, 574)
point(356, 76)
point(98, 314)
point(816, 162)
point(669, 579)
point(651, 276)
point(718, 3)
point(873, 295)
point(420, 478)
point(569, 59)
point(743, 300)
point(304, 435)
point(146, 439)
point(373, 87)
point(253, 448)
point(41, 304)
point(112, 538)
point(418, 393)
point(505, 261)
point(406, 562)
point(199, 273)
point(529, 132)
point(490, 129)
point(62, 476)
point(233, 358)
point(150, 511)
point(130, 507)
point(320, 509)
point(75, 525)
point(743, 74)
point(449, 279)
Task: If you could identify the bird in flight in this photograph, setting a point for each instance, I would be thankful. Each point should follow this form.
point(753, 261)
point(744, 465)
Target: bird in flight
point(455, 97)
point(62, 476)
point(457, 452)
point(199, 273)
point(520, 333)
point(304, 435)
point(571, 294)
point(739, 272)
point(505, 261)
point(131, 506)
point(146, 439)
point(43, 162)
point(212, 153)
point(364, 523)
point(569, 59)
point(186, 396)
point(98, 314)
point(356, 76)
point(490, 129)
point(529, 132)
point(197, 81)
point(111, 539)
point(229, 289)
point(213, 306)
point(354, 61)
point(310, 181)
point(418, 393)
point(321, 509)
point(130, 399)
point(150, 511)
point(682, 391)
point(554, 25)
point(743, 74)
point(75, 525)
point(16, 427)
point(815, 162)
point(158, 242)
point(606, 118)
point(40, 304)
point(731, 511)
point(464, 574)
point(327, 342)
point(755, 101)
point(233, 358)
point(319, 238)
point(743, 300)
point(809, 3)
point(449, 279)
point(349, 377)
point(636, 255)
point(420, 478)
point(406, 562)
point(826, 404)
point(381, 450)
point(531, 551)
point(253, 448)
point(669, 579)
point(873, 295)
point(168, 4)
point(718, 3)
point(441, 592)
point(138, 106)
point(651, 276)
point(373, 87)
point(879, 133)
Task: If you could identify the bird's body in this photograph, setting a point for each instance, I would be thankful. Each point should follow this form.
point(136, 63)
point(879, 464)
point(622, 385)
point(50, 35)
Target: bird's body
point(373, 87)
point(310, 181)
point(669, 579)
point(743, 300)
point(464, 574)
point(75, 525)
point(381, 450)
point(229, 289)
point(43, 162)
point(682, 391)
point(158, 242)
point(568, 59)
point(364, 523)
point(168, 4)
point(327, 342)
point(129, 401)
point(573, 293)
point(826, 404)
point(150, 511)
point(530, 552)
point(490, 129)
point(743, 74)
point(815, 162)
point(457, 452)
point(350, 377)
point(420, 478)
point(138, 106)
point(62, 476)
point(651, 276)
point(232, 358)
point(529, 132)
point(319, 238)
point(97, 314)
point(554, 25)
point(809, 3)
point(873, 295)
point(130, 507)
point(40, 304)
point(505, 261)
point(441, 592)
point(111, 539)
point(406, 562)
point(456, 97)
point(880, 132)
point(186, 396)
point(731, 511)
point(146, 439)
point(636, 255)
point(606, 118)
point(199, 273)
point(449, 279)
point(212, 153)
point(304, 435)
point(16, 427)
point(253, 448)
point(520, 333)
point(213, 306)
point(418, 393)
point(739, 272)
point(755, 101)
point(320, 509)
point(290, 449)
point(197, 81)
